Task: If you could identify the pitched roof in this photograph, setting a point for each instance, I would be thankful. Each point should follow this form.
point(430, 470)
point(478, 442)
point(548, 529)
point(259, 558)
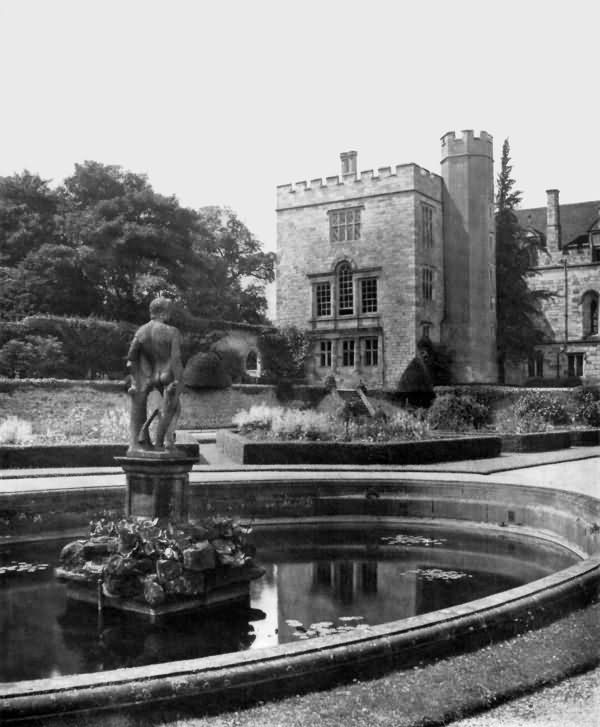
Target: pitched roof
point(575, 219)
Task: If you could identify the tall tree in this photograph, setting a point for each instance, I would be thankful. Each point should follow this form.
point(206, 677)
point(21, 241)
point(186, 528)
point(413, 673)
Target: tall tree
point(518, 306)
point(229, 280)
point(135, 242)
point(28, 216)
point(105, 243)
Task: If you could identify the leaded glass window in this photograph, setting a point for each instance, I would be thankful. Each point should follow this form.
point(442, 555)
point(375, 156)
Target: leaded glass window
point(344, 225)
point(348, 352)
point(323, 299)
point(345, 291)
point(368, 295)
point(371, 352)
point(325, 354)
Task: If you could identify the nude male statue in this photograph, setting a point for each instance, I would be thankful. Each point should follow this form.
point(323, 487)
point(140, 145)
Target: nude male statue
point(154, 362)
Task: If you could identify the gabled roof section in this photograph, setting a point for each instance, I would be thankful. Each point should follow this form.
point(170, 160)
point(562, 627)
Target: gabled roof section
point(576, 220)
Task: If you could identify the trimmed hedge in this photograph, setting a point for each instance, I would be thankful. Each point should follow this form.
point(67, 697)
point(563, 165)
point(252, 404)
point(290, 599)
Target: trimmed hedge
point(70, 455)
point(536, 442)
point(585, 437)
point(246, 451)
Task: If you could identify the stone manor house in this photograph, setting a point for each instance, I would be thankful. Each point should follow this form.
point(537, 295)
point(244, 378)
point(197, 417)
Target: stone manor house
point(371, 262)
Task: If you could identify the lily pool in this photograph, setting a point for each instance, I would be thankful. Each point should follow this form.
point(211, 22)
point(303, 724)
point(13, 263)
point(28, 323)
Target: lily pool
point(318, 581)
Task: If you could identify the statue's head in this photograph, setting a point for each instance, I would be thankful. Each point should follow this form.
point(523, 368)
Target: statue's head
point(160, 308)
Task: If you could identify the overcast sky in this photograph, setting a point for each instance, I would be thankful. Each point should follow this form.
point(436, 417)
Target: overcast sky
point(218, 102)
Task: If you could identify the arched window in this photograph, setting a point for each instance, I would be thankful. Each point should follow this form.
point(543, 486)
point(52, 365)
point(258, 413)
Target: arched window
point(590, 313)
point(252, 362)
point(345, 290)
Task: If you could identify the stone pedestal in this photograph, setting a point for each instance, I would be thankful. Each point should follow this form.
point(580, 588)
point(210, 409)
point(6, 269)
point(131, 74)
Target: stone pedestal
point(157, 486)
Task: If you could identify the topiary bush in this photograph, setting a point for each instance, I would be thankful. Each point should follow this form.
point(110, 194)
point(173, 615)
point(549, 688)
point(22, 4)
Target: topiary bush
point(416, 385)
point(457, 413)
point(206, 371)
point(233, 363)
point(546, 407)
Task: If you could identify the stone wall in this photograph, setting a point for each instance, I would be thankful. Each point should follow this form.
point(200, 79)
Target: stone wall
point(388, 249)
point(581, 276)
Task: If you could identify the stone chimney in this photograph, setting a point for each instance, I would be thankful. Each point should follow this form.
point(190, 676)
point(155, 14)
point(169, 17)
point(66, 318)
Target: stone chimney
point(553, 240)
point(349, 161)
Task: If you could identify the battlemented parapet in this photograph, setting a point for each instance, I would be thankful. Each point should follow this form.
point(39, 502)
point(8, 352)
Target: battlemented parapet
point(401, 178)
point(467, 143)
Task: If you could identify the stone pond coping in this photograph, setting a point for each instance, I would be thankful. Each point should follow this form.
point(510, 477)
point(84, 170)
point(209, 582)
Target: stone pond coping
point(561, 516)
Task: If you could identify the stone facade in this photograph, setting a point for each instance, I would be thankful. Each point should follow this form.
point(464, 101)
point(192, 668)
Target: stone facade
point(370, 262)
point(567, 266)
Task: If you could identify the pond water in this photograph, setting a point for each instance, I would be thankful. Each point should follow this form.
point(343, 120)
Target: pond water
point(318, 581)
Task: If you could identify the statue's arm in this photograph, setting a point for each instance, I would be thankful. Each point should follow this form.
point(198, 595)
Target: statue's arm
point(133, 357)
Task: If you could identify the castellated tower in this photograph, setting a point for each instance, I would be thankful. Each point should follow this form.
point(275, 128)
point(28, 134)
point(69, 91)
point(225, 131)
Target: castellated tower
point(469, 325)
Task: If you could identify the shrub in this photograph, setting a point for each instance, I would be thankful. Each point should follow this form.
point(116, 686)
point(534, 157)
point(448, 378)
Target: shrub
point(32, 357)
point(283, 354)
point(509, 421)
point(298, 424)
point(587, 405)
point(233, 364)
point(457, 413)
point(402, 425)
point(438, 360)
point(258, 417)
point(416, 385)
point(547, 407)
point(206, 371)
point(15, 431)
point(91, 346)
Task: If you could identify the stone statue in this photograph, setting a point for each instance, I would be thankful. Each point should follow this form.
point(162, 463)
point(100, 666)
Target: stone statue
point(154, 362)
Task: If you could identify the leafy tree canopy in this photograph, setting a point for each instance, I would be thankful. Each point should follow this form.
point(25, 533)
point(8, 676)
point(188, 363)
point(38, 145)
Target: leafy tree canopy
point(104, 243)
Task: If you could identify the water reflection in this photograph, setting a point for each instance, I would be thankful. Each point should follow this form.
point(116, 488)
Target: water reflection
point(312, 576)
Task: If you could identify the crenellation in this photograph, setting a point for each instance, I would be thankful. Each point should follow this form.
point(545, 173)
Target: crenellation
point(405, 221)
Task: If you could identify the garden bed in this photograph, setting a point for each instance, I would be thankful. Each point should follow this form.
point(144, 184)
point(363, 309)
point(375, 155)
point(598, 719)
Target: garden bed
point(243, 450)
point(70, 455)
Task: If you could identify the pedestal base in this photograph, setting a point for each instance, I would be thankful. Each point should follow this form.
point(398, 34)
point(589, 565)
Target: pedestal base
point(157, 485)
point(230, 585)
